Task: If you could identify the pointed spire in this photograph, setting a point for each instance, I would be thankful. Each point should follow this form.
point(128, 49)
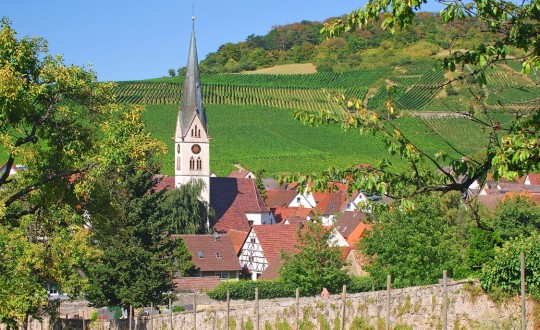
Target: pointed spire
point(192, 98)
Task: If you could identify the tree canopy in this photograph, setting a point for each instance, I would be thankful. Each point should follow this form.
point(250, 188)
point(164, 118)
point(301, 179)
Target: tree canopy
point(65, 129)
point(315, 265)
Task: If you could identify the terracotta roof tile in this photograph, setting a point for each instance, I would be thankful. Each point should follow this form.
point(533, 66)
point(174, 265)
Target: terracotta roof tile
point(348, 222)
point(215, 255)
point(196, 284)
point(331, 203)
point(272, 271)
point(276, 198)
point(237, 238)
point(164, 182)
point(239, 174)
point(275, 238)
point(283, 213)
point(232, 198)
point(534, 178)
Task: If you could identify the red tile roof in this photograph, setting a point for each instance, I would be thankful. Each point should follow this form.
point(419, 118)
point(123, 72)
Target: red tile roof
point(348, 222)
point(208, 247)
point(274, 239)
point(283, 213)
point(272, 271)
point(196, 284)
point(164, 182)
point(232, 198)
point(534, 178)
point(239, 174)
point(238, 238)
point(330, 203)
point(276, 198)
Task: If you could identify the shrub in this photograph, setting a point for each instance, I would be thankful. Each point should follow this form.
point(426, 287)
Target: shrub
point(504, 271)
point(117, 312)
point(177, 309)
point(93, 316)
point(246, 290)
point(361, 284)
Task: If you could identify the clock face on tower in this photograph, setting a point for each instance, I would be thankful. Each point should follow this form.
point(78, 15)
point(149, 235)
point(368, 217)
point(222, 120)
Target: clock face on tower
point(195, 148)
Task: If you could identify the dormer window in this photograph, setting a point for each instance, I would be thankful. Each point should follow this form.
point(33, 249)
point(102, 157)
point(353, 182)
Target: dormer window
point(200, 254)
point(218, 254)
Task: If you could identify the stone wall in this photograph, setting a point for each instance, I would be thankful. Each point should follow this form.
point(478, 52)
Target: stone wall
point(418, 307)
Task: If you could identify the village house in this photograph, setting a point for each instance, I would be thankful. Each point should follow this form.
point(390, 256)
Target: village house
point(214, 258)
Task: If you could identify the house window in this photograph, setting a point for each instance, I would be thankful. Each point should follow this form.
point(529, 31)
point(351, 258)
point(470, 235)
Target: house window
point(298, 199)
point(178, 163)
point(252, 240)
point(250, 259)
point(200, 254)
point(218, 254)
point(222, 275)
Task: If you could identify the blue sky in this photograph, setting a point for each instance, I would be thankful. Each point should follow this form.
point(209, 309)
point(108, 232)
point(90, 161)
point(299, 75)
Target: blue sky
point(129, 40)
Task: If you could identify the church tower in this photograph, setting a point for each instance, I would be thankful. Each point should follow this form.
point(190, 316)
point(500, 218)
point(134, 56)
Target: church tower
point(191, 143)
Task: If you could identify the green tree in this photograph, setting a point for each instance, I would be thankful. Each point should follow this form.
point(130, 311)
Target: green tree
point(315, 265)
point(68, 132)
point(172, 73)
point(259, 176)
point(139, 259)
point(184, 212)
point(516, 216)
point(413, 246)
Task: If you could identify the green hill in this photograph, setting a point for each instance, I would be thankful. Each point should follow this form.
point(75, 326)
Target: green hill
point(250, 115)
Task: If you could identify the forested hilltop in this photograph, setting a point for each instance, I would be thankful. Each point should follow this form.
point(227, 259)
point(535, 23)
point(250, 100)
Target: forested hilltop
point(365, 48)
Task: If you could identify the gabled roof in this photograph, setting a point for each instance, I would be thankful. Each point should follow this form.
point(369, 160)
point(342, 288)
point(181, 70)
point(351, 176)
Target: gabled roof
point(210, 254)
point(232, 198)
point(274, 239)
point(534, 178)
point(237, 238)
point(240, 173)
point(330, 203)
point(349, 221)
point(283, 213)
point(192, 105)
point(277, 198)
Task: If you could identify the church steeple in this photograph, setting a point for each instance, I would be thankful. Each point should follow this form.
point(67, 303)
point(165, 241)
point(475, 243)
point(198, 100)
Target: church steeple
point(191, 142)
point(192, 105)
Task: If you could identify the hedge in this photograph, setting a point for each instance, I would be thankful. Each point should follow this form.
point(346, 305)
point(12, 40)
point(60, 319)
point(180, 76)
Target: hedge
point(245, 289)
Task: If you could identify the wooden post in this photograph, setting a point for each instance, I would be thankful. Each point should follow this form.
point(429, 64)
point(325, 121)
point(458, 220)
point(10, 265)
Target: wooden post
point(256, 308)
point(523, 306)
point(445, 303)
point(194, 312)
point(344, 306)
point(130, 316)
point(83, 321)
point(388, 293)
point(152, 316)
point(170, 314)
point(297, 308)
point(228, 310)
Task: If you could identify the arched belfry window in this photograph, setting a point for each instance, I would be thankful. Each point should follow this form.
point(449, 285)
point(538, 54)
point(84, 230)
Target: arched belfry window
point(178, 163)
point(191, 163)
point(192, 132)
point(199, 163)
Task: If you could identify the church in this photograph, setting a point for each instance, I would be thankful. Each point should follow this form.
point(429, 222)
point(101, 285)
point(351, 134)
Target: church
point(236, 201)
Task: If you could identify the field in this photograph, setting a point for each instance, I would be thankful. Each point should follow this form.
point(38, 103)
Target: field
point(286, 69)
point(250, 115)
point(270, 139)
